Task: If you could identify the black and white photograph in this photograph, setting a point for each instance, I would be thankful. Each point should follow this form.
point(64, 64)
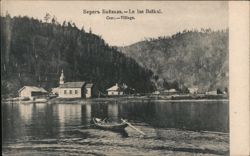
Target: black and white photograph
point(107, 78)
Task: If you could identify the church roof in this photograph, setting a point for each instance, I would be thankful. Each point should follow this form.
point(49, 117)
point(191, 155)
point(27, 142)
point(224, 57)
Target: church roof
point(72, 85)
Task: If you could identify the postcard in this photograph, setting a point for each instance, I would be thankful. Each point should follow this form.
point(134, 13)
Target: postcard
point(125, 78)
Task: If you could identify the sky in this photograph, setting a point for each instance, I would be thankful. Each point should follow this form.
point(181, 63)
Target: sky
point(176, 16)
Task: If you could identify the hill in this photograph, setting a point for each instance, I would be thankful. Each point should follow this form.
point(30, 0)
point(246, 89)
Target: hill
point(34, 53)
point(186, 59)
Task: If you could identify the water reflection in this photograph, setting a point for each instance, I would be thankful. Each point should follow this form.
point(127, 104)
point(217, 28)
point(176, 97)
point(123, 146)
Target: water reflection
point(113, 113)
point(26, 112)
point(69, 114)
point(86, 114)
point(53, 120)
point(44, 123)
point(12, 124)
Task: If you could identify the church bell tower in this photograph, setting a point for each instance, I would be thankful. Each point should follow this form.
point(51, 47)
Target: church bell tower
point(61, 78)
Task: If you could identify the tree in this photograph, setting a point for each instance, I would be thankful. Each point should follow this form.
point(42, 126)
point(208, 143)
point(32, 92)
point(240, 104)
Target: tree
point(40, 55)
point(175, 85)
point(90, 30)
point(53, 20)
point(7, 14)
point(226, 90)
point(184, 89)
point(4, 89)
point(64, 24)
point(69, 25)
point(156, 77)
point(82, 29)
point(219, 91)
point(47, 17)
point(166, 85)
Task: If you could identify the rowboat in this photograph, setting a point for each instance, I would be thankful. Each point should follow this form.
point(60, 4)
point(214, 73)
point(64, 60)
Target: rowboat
point(109, 126)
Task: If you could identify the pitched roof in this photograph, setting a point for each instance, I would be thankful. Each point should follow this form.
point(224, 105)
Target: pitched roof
point(89, 85)
point(72, 85)
point(33, 88)
point(114, 88)
point(170, 91)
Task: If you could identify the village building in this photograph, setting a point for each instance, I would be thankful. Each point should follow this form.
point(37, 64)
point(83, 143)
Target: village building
point(193, 90)
point(73, 89)
point(89, 90)
point(214, 92)
point(55, 91)
point(156, 92)
point(115, 90)
point(169, 92)
point(32, 92)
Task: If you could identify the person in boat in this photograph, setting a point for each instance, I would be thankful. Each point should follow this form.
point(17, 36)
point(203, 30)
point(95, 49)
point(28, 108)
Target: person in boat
point(101, 121)
point(105, 120)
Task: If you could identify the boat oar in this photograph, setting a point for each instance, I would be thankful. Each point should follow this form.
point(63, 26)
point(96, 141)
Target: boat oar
point(130, 125)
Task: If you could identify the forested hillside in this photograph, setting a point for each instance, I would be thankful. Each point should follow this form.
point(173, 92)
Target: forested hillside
point(186, 59)
point(34, 53)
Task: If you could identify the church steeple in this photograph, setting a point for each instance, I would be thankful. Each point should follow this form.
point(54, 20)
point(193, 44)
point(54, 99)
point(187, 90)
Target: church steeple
point(61, 78)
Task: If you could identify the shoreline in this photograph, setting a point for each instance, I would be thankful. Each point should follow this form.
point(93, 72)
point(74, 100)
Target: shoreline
point(175, 141)
point(109, 99)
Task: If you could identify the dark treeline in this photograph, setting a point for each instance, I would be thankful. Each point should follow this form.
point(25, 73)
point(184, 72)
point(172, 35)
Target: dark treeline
point(190, 58)
point(34, 53)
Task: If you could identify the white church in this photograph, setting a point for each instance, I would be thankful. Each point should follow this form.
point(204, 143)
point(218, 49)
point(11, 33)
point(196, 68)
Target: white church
point(79, 89)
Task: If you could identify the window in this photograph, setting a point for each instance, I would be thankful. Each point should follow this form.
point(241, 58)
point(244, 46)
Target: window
point(76, 91)
point(65, 91)
point(70, 91)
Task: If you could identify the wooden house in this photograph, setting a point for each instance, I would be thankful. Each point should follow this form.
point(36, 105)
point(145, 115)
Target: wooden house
point(115, 90)
point(214, 92)
point(169, 92)
point(193, 90)
point(32, 92)
point(89, 90)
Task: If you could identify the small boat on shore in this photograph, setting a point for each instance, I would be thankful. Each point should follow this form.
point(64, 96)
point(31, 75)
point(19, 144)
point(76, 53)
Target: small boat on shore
point(109, 126)
point(120, 127)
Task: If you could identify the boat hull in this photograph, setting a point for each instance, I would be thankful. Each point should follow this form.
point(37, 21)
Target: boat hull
point(115, 127)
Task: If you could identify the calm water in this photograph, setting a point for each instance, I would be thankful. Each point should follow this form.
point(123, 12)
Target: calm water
point(66, 129)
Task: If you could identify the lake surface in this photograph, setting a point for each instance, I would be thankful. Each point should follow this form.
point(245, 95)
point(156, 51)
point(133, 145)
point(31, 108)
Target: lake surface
point(180, 128)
